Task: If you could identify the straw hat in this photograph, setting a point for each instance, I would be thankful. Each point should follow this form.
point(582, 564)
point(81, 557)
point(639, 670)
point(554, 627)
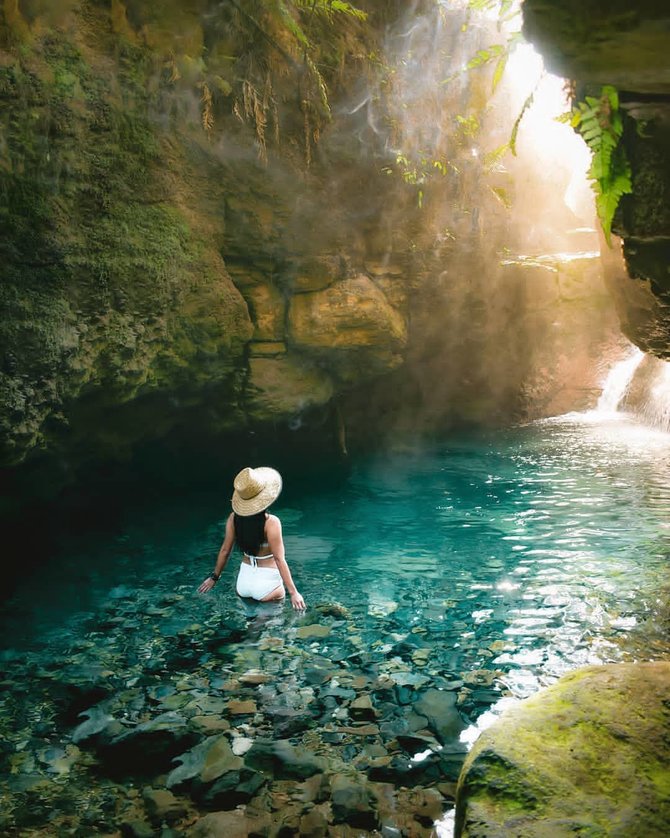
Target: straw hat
point(255, 490)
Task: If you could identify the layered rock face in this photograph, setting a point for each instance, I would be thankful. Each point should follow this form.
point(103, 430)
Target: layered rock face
point(164, 261)
point(626, 46)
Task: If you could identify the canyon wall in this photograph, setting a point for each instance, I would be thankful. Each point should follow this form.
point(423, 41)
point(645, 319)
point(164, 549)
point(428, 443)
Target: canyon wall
point(626, 46)
point(217, 219)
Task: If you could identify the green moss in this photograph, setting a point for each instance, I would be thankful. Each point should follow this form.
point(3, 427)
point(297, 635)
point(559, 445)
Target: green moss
point(97, 258)
point(588, 749)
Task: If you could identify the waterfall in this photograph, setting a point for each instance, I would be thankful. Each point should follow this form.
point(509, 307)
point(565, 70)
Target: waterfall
point(648, 398)
point(639, 385)
point(617, 382)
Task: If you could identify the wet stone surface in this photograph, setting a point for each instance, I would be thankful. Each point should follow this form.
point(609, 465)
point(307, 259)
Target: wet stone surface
point(271, 723)
point(257, 722)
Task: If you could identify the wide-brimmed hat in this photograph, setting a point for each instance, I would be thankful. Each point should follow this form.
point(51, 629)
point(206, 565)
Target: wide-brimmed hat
point(255, 489)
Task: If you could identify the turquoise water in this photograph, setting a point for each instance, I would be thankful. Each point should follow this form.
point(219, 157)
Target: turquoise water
point(487, 566)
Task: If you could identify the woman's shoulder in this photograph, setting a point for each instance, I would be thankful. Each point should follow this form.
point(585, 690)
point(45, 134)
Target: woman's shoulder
point(272, 520)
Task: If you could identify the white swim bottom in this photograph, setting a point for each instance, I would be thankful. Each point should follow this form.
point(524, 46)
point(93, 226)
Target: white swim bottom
point(257, 582)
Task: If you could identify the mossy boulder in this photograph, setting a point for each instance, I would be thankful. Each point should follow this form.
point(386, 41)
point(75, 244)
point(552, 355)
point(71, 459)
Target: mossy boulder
point(588, 755)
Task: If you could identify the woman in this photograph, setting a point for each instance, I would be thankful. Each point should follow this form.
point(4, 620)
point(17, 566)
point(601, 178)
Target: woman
point(264, 574)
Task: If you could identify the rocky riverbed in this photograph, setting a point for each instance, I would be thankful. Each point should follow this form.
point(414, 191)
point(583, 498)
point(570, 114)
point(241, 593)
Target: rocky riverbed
point(264, 723)
point(132, 705)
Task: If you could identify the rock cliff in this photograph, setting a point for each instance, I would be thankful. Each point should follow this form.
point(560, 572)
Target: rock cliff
point(224, 217)
point(625, 46)
point(156, 243)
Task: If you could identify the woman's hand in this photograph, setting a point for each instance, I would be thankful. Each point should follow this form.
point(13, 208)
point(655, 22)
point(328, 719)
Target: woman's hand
point(297, 601)
point(207, 585)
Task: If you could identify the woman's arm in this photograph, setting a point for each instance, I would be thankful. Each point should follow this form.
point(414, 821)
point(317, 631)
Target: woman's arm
point(222, 558)
point(276, 542)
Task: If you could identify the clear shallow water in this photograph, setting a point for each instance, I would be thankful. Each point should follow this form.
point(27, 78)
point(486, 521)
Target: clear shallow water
point(488, 565)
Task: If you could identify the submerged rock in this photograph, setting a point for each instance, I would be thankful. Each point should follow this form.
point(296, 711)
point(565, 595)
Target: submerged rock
point(588, 755)
point(206, 762)
point(333, 609)
point(314, 823)
point(229, 824)
point(241, 708)
point(352, 802)
point(99, 727)
point(362, 709)
point(162, 805)
point(315, 630)
point(439, 707)
point(284, 759)
point(149, 747)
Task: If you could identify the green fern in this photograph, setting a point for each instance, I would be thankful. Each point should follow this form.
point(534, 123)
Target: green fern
point(330, 7)
point(504, 6)
point(599, 122)
point(499, 53)
point(292, 24)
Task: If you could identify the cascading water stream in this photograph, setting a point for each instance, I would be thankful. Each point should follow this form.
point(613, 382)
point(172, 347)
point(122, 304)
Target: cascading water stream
point(639, 386)
point(617, 382)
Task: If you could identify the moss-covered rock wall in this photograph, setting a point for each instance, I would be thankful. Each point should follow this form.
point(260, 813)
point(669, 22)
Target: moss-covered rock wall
point(114, 288)
point(148, 223)
point(222, 217)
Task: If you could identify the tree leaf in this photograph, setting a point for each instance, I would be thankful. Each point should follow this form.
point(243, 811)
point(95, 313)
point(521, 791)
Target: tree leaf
point(499, 70)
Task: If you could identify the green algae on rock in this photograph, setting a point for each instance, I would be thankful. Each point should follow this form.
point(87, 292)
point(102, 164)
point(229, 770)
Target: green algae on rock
point(587, 755)
point(112, 282)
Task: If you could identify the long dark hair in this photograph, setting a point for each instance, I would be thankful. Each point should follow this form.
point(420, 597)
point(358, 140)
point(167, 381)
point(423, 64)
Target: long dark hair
point(250, 532)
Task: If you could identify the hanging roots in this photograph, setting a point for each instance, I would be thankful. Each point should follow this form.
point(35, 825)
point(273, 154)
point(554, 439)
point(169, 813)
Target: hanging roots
point(308, 138)
point(207, 115)
point(255, 108)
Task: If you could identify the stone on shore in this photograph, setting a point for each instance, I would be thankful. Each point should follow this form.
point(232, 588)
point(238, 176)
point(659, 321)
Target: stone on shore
point(588, 755)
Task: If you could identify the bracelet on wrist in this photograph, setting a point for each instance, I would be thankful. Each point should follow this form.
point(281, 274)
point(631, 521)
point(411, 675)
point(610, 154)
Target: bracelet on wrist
point(215, 576)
